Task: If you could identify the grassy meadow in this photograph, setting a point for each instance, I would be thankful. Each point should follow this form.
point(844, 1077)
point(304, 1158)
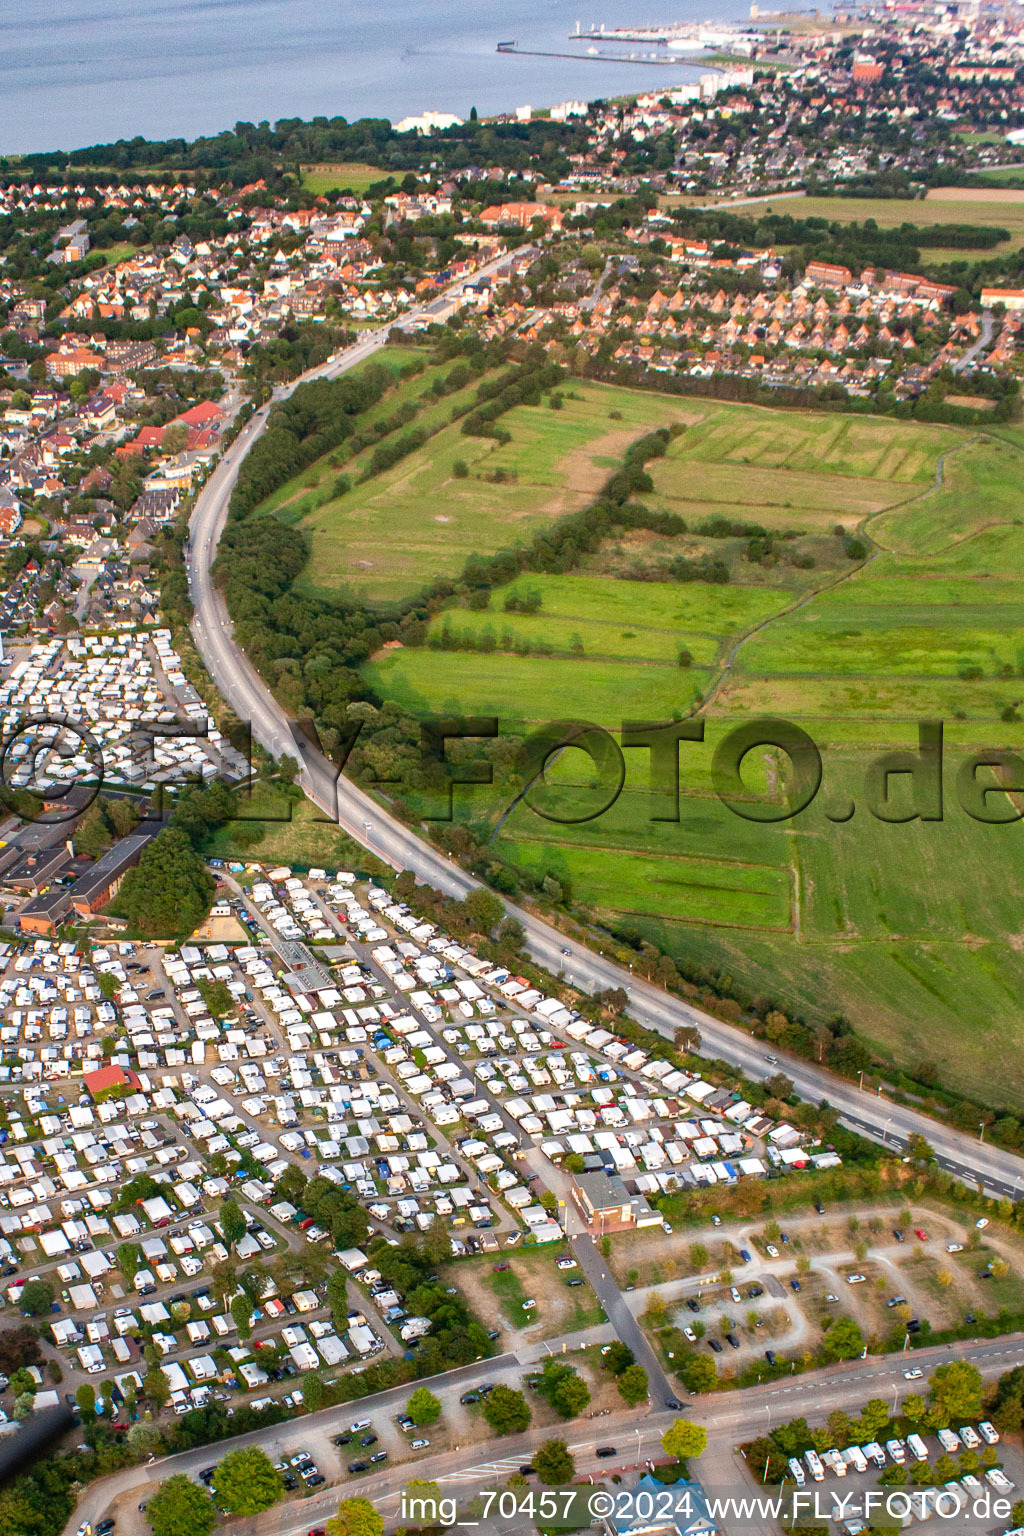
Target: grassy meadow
point(389, 536)
point(341, 175)
point(911, 929)
point(990, 206)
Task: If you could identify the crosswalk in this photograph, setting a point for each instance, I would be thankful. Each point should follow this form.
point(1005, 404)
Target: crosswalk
point(498, 1468)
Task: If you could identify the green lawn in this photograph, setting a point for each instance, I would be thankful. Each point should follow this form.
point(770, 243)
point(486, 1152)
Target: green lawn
point(341, 175)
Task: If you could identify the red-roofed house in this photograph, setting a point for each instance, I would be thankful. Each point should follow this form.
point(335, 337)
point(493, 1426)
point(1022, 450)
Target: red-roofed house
point(205, 414)
point(107, 1079)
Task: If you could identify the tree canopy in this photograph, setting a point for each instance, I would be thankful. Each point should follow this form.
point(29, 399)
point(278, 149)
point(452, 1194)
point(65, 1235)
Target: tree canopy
point(683, 1439)
point(507, 1411)
point(632, 1384)
point(169, 891)
point(553, 1462)
point(423, 1407)
point(355, 1517)
point(181, 1507)
point(955, 1390)
point(246, 1482)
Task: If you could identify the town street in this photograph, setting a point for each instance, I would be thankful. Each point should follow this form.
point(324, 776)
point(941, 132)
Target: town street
point(730, 1418)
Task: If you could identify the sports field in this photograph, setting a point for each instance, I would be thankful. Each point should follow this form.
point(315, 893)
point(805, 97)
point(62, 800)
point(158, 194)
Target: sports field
point(341, 175)
point(911, 929)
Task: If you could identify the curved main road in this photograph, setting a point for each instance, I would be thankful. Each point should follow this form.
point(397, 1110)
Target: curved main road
point(1000, 1172)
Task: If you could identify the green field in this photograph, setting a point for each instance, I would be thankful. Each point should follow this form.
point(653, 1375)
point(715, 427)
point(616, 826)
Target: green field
point(389, 536)
point(341, 175)
point(910, 929)
point(943, 205)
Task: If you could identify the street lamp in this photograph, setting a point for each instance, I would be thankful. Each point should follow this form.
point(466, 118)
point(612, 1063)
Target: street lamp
point(639, 1435)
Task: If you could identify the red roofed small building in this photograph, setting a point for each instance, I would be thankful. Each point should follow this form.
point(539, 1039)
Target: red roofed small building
point(205, 414)
point(108, 1079)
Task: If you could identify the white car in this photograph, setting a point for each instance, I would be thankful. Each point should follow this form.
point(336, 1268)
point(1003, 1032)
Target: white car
point(666, 1228)
point(914, 1375)
point(734, 1293)
point(529, 1304)
point(954, 1247)
point(689, 1334)
point(855, 1279)
point(771, 1251)
point(981, 1222)
point(418, 1445)
point(566, 1264)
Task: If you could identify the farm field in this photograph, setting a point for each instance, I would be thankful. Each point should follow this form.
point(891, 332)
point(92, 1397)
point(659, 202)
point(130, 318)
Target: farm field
point(533, 688)
point(911, 930)
point(627, 620)
point(990, 206)
point(388, 537)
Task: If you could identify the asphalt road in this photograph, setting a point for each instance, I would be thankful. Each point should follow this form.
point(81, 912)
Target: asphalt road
point(979, 346)
point(1001, 1172)
point(730, 1418)
point(621, 1318)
